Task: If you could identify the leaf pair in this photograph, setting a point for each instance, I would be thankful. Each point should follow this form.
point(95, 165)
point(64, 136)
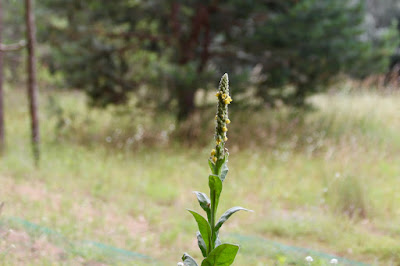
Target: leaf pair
point(205, 233)
point(220, 168)
point(204, 237)
point(223, 255)
point(207, 237)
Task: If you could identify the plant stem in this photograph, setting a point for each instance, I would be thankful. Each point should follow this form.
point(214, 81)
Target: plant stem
point(213, 210)
point(213, 213)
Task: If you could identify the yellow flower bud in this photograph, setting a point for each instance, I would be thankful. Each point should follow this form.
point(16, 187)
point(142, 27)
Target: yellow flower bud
point(216, 117)
point(214, 159)
point(227, 101)
point(217, 94)
point(224, 96)
point(226, 139)
point(228, 121)
point(213, 151)
point(224, 129)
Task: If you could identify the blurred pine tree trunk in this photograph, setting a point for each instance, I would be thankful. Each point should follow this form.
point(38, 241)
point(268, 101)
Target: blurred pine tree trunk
point(31, 68)
point(2, 130)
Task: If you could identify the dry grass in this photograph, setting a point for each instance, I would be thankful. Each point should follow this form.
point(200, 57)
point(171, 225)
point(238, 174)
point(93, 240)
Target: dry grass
point(283, 164)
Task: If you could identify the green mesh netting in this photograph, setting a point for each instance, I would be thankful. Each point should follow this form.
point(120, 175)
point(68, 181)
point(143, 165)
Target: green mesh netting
point(251, 245)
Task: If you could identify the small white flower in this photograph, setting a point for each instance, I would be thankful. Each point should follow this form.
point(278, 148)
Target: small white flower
point(180, 264)
point(309, 259)
point(333, 261)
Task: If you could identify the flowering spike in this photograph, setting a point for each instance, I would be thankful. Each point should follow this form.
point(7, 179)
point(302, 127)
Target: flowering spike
point(222, 114)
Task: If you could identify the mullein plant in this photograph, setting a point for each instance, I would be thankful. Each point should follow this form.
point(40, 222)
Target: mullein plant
point(214, 252)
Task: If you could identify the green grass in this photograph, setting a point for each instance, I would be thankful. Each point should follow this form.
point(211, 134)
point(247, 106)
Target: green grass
point(298, 172)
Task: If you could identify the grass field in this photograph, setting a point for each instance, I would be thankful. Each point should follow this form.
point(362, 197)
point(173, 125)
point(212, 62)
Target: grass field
point(326, 181)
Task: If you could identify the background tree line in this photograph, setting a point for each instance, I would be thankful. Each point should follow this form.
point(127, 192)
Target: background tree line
point(164, 51)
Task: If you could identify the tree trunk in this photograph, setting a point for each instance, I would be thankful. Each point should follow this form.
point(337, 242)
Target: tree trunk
point(2, 129)
point(300, 95)
point(186, 102)
point(188, 46)
point(31, 83)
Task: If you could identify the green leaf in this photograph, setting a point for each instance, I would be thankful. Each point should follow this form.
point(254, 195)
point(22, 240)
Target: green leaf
point(224, 170)
point(202, 244)
point(211, 165)
point(228, 214)
point(188, 260)
point(220, 163)
point(204, 227)
point(223, 255)
point(204, 202)
point(215, 184)
point(222, 167)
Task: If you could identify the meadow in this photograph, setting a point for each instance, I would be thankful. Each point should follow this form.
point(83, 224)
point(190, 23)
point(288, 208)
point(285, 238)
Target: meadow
point(113, 185)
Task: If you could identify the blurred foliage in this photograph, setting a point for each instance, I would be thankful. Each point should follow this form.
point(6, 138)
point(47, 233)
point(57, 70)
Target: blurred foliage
point(13, 31)
point(382, 13)
point(348, 195)
point(163, 52)
point(335, 43)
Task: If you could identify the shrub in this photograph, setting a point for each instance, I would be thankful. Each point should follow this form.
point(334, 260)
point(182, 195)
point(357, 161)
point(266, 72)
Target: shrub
point(348, 196)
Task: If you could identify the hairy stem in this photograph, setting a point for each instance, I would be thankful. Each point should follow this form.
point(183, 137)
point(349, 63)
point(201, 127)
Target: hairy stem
point(212, 222)
point(213, 213)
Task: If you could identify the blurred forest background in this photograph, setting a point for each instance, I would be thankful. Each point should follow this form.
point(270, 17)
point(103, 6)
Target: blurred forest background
point(164, 52)
point(126, 111)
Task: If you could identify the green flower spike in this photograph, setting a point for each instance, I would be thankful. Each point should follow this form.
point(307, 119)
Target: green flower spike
point(224, 99)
